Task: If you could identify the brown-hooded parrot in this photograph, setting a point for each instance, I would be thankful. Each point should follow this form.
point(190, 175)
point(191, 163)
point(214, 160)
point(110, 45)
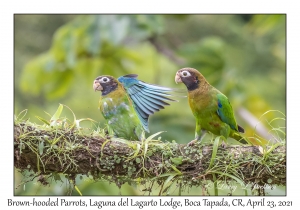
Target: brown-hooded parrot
point(210, 107)
point(127, 102)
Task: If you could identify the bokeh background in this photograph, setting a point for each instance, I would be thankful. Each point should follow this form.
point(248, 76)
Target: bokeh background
point(57, 57)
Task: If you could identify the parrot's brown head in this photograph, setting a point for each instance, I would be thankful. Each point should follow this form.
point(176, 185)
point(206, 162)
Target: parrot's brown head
point(192, 78)
point(105, 84)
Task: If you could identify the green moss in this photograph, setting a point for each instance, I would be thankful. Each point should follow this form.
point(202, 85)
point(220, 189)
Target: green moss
point(162, 162)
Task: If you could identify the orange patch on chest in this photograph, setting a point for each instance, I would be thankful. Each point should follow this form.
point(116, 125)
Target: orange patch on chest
point(214, 124)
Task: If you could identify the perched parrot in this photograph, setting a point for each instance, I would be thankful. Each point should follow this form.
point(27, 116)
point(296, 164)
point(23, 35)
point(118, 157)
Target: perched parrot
point(210, 107)
point(127, 102)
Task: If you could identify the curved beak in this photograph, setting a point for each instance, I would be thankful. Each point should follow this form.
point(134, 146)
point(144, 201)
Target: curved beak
point(97, 86)
point(177, 78)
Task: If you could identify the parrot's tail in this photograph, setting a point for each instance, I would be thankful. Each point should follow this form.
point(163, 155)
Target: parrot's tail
point(259, 141)
point(244, 140)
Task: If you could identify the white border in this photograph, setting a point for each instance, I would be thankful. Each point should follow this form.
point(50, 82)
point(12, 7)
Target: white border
point(8, 8)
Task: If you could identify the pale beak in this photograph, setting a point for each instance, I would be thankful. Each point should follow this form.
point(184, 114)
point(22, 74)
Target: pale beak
point(97, 86)
point(177, 78)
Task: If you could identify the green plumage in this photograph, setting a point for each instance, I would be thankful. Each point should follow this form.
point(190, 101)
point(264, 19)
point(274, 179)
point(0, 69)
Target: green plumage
point(210, 107)
point(225, 111)
point(126, 103)
point(120, 115)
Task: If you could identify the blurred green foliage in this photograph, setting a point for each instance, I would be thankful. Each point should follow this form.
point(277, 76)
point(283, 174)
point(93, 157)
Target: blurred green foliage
point(57, 58)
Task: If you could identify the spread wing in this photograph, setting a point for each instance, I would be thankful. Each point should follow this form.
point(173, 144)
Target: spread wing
point(147, 98)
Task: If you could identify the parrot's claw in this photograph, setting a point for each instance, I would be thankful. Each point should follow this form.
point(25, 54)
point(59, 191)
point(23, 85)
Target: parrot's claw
point(223, 145)
point(191, 143)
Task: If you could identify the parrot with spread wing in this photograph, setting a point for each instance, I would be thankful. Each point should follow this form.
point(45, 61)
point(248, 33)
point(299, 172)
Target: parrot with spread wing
point(126, 103)
point(210, 107)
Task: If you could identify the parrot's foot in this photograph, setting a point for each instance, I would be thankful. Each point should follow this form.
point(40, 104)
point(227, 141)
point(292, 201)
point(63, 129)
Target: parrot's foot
point(107, 136)
point(223, 145)
point(191, 143)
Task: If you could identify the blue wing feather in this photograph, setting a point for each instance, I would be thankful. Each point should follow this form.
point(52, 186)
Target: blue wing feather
point(225, 111)
point(156, 98)
point(152, 105)
point(147, 98)
point(140, 104)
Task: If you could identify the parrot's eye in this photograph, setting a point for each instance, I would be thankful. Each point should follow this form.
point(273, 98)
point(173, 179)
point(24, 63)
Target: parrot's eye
point(185, 74)
point(104, 79)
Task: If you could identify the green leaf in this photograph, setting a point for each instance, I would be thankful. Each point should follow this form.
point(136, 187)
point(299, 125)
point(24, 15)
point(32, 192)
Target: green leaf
point(271, 149)
point(153, 135)
point(55, 140)
point(74, 123)
point(147, 141)
point(41, 147)
point(137, 148)
point(165, 174)
point(24, 112)
point(167, 181)
point(43, 120)
point(77, 189)
point(102, 147)
point(175, 169)
point(48, 114)
point(84, 119)
point(214, 152)
point(137, 160)
point(177, 161)
point(231, 176)
point(56, 116)
point(215, 184)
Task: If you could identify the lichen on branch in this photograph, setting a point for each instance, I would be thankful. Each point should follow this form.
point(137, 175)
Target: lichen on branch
point(54, 149)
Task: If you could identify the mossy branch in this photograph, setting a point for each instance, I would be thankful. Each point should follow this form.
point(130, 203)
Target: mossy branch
point(47, 150)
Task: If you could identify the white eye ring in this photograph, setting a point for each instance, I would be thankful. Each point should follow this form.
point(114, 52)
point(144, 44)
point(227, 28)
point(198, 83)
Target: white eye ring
point(185, 74)
point(104, 80)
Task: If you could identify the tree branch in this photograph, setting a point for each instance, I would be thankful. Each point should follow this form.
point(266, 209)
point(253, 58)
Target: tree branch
point(46, 150)
point(166, 51)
